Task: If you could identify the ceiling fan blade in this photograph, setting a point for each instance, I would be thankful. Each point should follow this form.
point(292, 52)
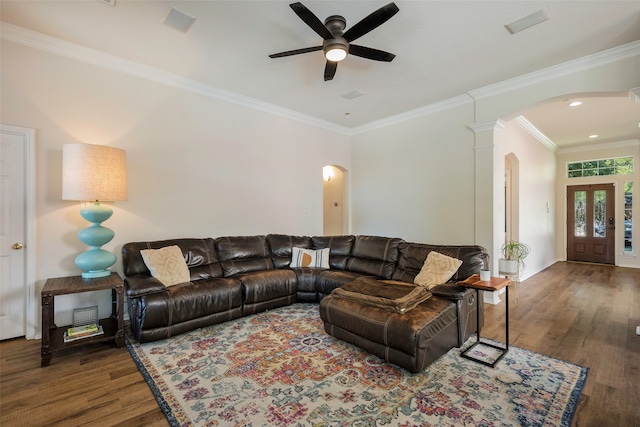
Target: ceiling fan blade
point(295, 52)
point(370, 22)
point(330, 70)
point(311, 20)
point(369, 53)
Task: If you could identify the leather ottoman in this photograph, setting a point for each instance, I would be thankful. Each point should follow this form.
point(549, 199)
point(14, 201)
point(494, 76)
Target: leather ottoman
point(412, 340)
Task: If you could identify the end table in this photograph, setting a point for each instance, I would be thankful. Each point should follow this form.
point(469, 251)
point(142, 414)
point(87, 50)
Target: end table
point(53, 336)
point(495, 284)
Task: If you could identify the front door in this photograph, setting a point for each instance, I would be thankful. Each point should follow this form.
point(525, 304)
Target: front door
point(590, 223)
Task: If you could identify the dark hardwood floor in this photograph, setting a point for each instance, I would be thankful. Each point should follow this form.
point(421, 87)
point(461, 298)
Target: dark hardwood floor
point(582, 313)
point(585, 314)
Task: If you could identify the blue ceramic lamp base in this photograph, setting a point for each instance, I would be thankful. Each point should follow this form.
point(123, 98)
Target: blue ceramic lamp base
point(95, 262)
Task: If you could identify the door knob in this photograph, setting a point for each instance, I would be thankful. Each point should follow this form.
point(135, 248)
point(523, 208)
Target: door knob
point(17, 246)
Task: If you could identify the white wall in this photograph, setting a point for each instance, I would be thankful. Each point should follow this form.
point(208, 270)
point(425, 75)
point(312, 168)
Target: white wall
point(414, 179)
point(536, 186)
point(197, 166)
point(430, 178)
point(598, 151)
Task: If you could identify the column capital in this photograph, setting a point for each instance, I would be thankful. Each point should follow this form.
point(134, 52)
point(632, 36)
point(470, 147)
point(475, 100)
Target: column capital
point(488, 125)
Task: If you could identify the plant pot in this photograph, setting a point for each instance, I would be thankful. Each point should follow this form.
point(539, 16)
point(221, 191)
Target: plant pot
point(507, 267)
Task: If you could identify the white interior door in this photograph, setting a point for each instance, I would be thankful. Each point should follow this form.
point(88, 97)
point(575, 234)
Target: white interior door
point(13, 281)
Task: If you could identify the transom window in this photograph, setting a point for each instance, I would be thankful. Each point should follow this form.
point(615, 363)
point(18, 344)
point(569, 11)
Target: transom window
point(601, 167)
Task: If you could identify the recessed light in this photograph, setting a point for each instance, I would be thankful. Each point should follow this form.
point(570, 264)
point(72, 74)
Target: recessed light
point(347, 115)
point(593, 136)
point(575, 103)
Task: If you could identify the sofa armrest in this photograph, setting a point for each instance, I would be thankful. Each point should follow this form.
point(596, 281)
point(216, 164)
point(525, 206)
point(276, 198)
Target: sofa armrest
point(450, 291)
point(142, 284)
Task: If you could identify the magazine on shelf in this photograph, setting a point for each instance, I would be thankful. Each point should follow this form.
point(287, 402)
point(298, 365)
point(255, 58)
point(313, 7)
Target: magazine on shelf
point(81, 331)
point(67, 338)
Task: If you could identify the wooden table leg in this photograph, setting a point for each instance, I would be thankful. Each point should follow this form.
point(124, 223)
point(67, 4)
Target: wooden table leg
point(119, 292)
point(47, 313)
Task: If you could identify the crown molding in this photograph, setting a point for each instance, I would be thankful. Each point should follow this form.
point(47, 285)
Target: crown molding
point(446, 104)
point(590, 61)
point(33, 39)
point(36, 40)
point(597, 59)
point(535, 132)
point(601, 146)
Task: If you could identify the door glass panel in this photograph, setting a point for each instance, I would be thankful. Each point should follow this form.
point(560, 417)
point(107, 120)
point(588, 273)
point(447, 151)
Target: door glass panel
point(580, 213)
point(628, 217)
point(599, 213)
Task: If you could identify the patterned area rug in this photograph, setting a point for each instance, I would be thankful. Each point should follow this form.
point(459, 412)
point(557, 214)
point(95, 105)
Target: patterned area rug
point(280, 368)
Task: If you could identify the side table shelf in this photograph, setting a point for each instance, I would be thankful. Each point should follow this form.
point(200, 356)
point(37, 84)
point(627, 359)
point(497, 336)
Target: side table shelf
point(53, 336)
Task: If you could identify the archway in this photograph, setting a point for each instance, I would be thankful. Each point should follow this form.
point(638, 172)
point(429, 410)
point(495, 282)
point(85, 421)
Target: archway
point(334, 212)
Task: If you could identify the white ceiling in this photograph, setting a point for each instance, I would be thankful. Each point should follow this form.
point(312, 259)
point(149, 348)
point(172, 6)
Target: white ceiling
point(443, 49)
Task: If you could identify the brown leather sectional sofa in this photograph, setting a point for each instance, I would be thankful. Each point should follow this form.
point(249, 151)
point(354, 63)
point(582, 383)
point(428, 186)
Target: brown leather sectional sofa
point(240, 275)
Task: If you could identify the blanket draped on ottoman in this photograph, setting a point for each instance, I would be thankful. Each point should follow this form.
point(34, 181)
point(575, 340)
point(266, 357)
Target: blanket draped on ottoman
point(398, 299)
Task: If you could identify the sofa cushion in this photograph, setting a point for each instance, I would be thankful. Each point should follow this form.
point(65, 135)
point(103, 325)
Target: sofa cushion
point(281, 246)
point(184, 302)
point(199, 254)
point(374, 255)
point(262, 286)
point(411, 257)
point(437, 270)
point(243, 254)
point(340, 249)
point(307, 278)
point(318, 258)
point(166, 264)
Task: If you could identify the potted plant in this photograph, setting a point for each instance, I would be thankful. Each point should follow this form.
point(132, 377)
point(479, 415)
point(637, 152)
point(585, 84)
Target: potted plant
point(513, 255)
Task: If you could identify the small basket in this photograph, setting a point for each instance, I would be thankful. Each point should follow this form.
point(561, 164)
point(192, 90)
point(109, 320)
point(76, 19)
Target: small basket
point(85, 316)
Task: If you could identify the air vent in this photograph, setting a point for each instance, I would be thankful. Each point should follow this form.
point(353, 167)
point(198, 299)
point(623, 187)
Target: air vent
point(528, 21)
point(179, 20)
point(352, 94)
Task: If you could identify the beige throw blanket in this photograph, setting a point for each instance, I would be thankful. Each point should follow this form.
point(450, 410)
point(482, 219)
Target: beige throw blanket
point(392, 297)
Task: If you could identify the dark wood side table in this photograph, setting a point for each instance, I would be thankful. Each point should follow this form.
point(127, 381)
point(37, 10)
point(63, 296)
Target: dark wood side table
point(495, 284)
point(113, 326)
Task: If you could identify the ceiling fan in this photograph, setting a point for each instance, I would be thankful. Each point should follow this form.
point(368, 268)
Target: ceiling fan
point(337, 45)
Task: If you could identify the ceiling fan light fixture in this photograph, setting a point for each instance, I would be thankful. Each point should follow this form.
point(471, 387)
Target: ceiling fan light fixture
point(335, 54)
point(336, 44)
point(335, 49)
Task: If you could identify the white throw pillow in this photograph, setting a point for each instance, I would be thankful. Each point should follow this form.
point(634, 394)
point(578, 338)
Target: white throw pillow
point(167, 265)
point(436, 270)
point(301, 257)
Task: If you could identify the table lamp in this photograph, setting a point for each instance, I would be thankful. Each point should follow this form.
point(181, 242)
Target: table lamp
point(94, 173)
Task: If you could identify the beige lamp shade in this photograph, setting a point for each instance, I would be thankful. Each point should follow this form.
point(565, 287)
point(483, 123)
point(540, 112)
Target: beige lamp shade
point(93, 172)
